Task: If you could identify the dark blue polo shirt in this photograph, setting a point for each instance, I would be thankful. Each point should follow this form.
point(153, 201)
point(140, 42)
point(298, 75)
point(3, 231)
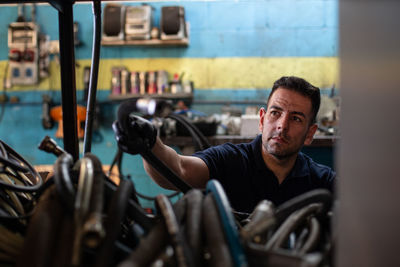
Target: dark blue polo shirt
point(246, 179)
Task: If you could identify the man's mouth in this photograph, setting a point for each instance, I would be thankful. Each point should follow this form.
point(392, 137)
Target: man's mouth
point(280, 139)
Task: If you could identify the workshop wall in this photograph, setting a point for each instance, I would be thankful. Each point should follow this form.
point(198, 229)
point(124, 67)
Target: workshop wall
point(236, 50)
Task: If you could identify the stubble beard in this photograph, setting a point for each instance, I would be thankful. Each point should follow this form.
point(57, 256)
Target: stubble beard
point(278, 151)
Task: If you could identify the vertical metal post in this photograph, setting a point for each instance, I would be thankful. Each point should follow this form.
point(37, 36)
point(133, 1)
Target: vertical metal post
point(369, 185)
point(68, 86)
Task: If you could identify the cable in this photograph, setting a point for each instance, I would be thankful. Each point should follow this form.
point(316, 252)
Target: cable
point(196, 140)
point(94, 72)
point(194, 131)
point(315, 196)
point(117, 161)
point(170, 175)
point(12, 160)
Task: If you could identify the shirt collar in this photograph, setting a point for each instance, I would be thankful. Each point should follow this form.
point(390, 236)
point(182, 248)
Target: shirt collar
point(300, 168)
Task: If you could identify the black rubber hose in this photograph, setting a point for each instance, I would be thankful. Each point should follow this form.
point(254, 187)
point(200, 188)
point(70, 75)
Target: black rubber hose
point(124, 110)
point(119, 165)
point(118, 161)
point(194, 131)
point(3, 150)
point(315, 196)
point(203, 139)
point(42, 238)
point(198, 145)
point(291, 223)
point(194, 235)
point(149, 247)
point(18, 163)
point(313, 237)
point(183, 254)
point(134, 211)
point(115, 214)
point(13, 164)
point(63, 182)
point(165, 171)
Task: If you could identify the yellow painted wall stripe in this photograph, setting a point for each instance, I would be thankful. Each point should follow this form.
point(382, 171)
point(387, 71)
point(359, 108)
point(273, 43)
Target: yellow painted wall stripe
point(209, 73)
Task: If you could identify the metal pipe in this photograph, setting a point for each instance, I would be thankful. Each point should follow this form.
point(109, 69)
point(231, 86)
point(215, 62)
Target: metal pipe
point(68, 86)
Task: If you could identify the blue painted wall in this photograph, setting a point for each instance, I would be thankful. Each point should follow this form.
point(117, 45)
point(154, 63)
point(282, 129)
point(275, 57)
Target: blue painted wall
point(249, 28)
point(219, 29)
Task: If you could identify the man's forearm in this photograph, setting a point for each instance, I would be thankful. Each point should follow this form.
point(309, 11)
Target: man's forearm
point(190, 169)
point(170, 158)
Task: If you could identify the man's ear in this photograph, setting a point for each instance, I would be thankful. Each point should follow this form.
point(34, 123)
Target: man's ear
point(310, 134)
point(261, 122)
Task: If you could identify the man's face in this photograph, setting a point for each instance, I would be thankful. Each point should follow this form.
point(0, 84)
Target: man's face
point(286, 124)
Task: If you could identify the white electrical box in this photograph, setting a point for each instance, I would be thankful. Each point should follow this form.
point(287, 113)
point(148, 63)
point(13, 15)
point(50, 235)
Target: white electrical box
point(23, 53)
point(22, 35)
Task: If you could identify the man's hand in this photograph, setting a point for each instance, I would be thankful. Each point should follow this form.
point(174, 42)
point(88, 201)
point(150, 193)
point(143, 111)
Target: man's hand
point(140, 135)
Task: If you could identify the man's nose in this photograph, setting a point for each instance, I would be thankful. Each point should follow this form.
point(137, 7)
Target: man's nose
point(283, 123)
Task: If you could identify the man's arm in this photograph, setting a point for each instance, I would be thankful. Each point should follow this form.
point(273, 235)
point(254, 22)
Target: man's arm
point(191, 169)
point(139, 135)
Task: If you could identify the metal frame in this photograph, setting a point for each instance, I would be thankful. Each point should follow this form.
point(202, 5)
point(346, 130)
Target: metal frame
point(67, 63)
point(68, 81)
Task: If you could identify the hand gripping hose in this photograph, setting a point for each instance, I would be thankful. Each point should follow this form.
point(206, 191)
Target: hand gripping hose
point(126, 108)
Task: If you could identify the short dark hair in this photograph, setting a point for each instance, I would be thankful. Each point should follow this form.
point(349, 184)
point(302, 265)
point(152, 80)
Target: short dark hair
point(301, 86)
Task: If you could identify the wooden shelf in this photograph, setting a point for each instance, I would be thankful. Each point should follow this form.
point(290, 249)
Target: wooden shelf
point(151, 42)
point(162, 96)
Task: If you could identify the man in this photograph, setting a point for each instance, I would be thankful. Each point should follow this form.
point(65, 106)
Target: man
point(271, 166)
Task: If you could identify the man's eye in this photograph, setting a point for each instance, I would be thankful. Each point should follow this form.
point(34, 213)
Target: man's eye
point(274, 112)
point(298, 119)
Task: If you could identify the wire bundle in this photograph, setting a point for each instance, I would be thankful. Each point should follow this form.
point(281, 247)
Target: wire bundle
point(19, 183)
